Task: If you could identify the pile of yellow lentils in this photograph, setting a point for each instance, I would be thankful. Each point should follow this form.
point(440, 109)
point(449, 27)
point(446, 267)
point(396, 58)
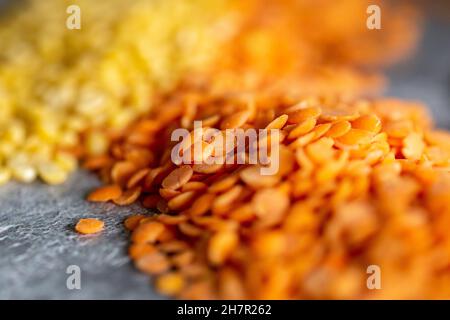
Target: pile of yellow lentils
point(362, 181)
point(61, 87)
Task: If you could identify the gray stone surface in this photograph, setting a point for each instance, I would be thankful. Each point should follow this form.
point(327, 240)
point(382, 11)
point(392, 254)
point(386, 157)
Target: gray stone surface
point(37, 242)
point(426, 75)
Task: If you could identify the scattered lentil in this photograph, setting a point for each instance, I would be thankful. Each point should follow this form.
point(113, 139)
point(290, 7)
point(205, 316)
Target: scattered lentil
point(89, 226)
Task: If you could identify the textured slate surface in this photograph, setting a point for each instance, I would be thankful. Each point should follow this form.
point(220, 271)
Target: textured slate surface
point(426, 75)
point(37, 243)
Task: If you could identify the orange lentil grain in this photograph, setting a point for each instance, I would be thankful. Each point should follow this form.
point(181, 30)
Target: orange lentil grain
point(97, 162)
point(89, 226)
point(147, 232)
point(173, 246)
point(138, 250)
point(368, 122)
point(170, 283)
point(122, 171)
point(303, 114)
point(278, 123)
point(181, 201)
point(221, 245)
point(253, 177)
point(413, 146)
point(128, 197)
point(302, 128)
point(194, 186)
point(151, 201)
point(236, 120)
point(168, 194)
point(202, 204)
point(338, 129)
point(177, 178)
point(334, 114)
point(137, 177)
point(182, 259)
point(270, 205)
point(106, 193)
point(133, 221)
point(153, 263)
point(171, 220)
point(355, 136)
point(225, 201)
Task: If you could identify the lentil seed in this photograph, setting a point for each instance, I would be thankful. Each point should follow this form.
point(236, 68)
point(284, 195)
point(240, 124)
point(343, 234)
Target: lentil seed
point(89, 226)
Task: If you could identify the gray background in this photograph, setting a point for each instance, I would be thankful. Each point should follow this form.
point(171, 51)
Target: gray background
point(37, 241)
point(426, 75)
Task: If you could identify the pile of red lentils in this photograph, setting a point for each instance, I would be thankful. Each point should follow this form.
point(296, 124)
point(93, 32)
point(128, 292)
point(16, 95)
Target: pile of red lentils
point(363, 183)
point(360, 183)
